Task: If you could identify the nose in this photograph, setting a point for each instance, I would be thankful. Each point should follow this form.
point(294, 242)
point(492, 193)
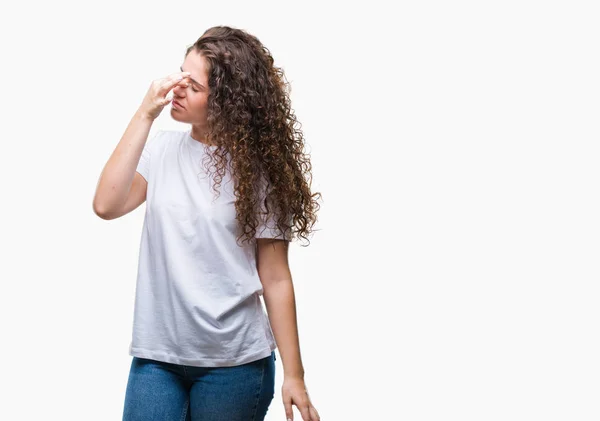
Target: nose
point(180, 87)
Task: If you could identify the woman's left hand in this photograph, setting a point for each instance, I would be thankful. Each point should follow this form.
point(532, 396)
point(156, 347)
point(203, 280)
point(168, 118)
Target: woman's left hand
point(294, 392)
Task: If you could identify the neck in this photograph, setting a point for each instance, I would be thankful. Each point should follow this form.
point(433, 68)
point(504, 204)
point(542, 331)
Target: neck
point(199, 134)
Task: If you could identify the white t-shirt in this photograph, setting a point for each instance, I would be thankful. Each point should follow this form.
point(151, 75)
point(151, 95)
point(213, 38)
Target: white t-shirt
point(197, 299)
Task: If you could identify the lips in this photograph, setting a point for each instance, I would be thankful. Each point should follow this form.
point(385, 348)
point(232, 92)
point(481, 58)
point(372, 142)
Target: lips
point(178, 104)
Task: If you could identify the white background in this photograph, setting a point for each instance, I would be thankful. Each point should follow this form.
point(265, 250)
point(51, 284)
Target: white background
point(454, 273)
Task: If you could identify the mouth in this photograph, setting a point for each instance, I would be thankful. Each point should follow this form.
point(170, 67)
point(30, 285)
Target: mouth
point(178, 105)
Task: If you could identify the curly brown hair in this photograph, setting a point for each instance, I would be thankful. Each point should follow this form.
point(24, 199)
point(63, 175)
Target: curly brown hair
point(250, 119)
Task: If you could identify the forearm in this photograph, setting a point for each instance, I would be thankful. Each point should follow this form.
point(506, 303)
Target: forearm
point(117, 176)
point(281, 308)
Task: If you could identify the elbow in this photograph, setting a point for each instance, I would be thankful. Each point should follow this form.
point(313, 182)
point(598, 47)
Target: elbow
point(101, 212)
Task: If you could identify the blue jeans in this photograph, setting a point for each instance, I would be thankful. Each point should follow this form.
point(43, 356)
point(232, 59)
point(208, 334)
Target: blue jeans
point(164, 391)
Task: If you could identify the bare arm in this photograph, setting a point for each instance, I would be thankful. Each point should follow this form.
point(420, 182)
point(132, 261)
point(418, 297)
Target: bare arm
point(120, 189)
point(278, 293)
point(118, 174)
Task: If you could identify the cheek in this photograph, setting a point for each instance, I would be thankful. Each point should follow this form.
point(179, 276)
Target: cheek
point(202, 105)
point(200, 102)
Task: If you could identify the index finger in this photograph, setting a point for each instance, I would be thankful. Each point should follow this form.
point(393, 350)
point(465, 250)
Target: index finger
point(179, 75)
point(173, 79)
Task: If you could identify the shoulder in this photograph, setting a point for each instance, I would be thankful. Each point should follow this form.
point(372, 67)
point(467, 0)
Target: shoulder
point(160, 138)
point(169, 135)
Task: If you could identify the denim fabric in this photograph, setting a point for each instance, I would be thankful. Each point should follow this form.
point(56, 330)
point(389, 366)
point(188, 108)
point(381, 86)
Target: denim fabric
point(164, 391)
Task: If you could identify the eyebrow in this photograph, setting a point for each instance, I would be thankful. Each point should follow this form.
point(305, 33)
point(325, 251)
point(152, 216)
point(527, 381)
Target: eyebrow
point(195, 81)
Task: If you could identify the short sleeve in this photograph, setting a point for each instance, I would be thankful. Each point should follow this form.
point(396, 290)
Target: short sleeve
point(268, 228)
point(143, 166)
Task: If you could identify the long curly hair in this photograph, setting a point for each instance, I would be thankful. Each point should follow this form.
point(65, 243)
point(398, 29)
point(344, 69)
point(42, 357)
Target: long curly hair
point(250, 118)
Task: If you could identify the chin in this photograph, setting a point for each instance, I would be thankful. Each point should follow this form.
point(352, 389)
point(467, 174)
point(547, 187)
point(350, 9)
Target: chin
point(177, 117)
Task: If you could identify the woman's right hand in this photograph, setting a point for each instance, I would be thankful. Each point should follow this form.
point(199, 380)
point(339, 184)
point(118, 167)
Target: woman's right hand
point(156, 97)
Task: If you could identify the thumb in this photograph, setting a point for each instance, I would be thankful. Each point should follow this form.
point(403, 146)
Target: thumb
point(166, 100)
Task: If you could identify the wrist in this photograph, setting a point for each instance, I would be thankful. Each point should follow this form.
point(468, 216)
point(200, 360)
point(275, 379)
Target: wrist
point(293, 374)
point(141, 115)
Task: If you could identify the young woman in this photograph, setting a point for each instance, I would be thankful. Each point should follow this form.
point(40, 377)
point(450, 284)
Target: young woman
point(223, 200)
